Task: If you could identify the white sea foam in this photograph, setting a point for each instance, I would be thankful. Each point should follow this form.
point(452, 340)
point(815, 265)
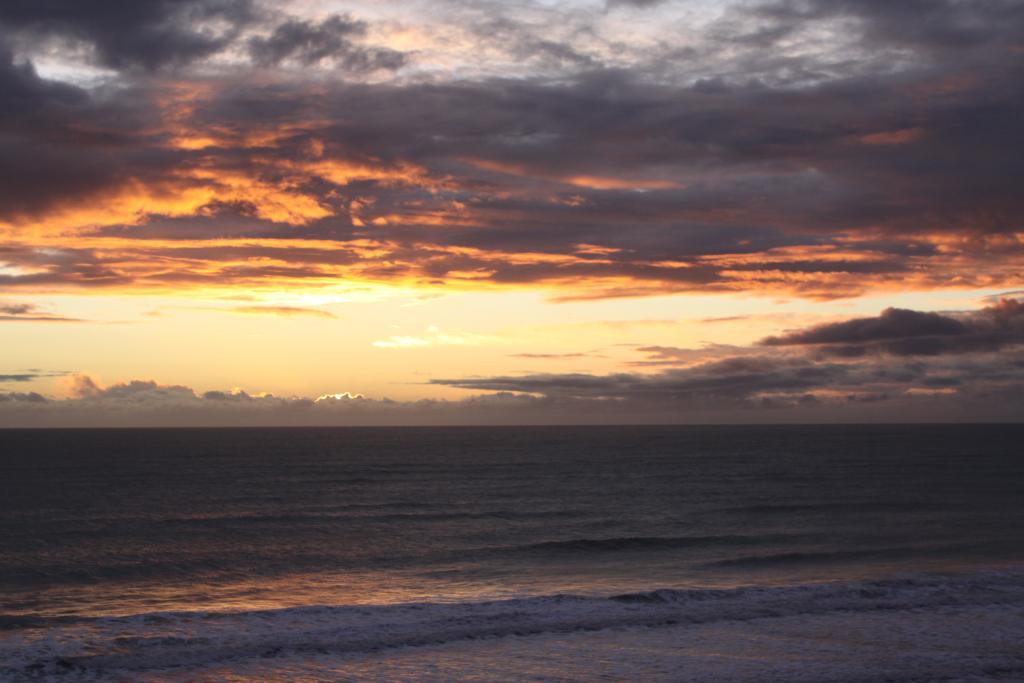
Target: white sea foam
point(374, 640)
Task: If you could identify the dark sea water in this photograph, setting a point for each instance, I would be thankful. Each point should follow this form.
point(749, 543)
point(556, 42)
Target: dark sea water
point(388, 554)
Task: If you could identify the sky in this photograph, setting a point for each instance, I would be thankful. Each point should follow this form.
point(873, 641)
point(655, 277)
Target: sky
point(240, 212)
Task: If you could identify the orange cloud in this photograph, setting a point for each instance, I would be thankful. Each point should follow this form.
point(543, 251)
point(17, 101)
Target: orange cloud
point(893, 137)
point(222, 266)
point(592, 182)
point(284, 311)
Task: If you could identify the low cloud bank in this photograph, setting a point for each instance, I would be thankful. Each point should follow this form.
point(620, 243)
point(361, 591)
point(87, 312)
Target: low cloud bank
point(901, 365)
point(902, 332)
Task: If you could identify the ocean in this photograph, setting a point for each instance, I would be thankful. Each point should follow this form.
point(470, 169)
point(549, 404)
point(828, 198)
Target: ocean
point(838, 553)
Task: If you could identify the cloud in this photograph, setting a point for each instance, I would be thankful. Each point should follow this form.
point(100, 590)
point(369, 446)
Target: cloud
point(725, 319)
point(21, 398)
point(899, 365)
point(31, 375)
point(949, 25)
point(996, 298)
point(902, 332)
point(731, 380)
point(674, 356)
point(433, 336)
point(736, 164)
point(634, 3)
point(286, 311)
point(963, 365)
point(148, 403)
point(745, 388)
point(135, 33)
point(309, 43)
point(31, 314)
point(59, 145)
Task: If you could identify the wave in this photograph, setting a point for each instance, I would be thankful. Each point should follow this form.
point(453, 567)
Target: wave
point(622, 543)
point(863, 507)
point(157, 641)
point(885, 553)
point(351, 515)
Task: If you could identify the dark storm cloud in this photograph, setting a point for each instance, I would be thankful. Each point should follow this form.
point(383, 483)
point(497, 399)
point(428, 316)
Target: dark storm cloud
point(902, 332)
point(929, 24)
point(134, 33)
point(37, 175)
point(520, 40)
point(839, 156)
point(60, 143)
point(25, 92)
point(309, 43)
point(800, 163)
point(823, 184)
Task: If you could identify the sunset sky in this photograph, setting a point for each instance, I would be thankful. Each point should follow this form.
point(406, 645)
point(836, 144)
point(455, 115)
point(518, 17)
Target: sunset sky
point(476, 211)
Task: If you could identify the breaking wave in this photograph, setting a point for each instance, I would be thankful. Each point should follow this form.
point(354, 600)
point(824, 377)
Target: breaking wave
point(123, 646)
